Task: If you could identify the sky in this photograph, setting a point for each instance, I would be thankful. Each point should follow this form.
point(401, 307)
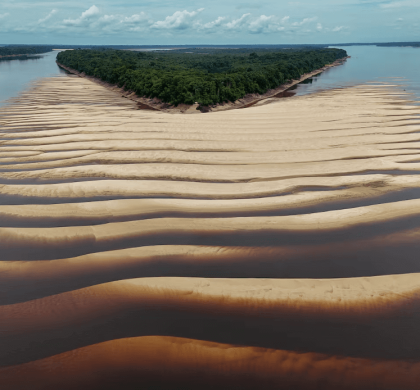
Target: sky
point(165, 22)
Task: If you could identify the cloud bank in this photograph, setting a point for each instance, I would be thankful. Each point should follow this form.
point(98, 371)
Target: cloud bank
point(94, 21)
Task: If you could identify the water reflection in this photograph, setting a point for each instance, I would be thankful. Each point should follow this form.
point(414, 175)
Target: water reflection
point(16, 73)
point(21, 58)
point(389, 65)
point(395, 65)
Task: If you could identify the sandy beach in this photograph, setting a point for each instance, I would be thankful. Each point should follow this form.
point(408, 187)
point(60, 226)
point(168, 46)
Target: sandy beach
point(269, 247)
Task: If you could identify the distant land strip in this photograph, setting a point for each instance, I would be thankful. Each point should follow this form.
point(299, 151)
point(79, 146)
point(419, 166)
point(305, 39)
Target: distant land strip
point(22, 50)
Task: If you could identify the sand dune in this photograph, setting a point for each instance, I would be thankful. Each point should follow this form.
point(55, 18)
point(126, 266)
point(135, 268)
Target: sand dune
point(274, 246)
point(23, 280)
point(95, 213)
point(168, 363)
point(394, 223)
point(327, 316)
point(307, 188)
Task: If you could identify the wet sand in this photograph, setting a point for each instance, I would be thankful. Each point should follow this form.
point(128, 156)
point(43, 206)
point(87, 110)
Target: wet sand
point(274, 246)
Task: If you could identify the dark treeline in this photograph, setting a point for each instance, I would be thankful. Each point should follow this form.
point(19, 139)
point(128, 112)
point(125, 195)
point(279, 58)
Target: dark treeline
point(20, 57)
point(204, 75)
point(22, 50)
point(179, 47)
point(399, 44)
point(383, 44)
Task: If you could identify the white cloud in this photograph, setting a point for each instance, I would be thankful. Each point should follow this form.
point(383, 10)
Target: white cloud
point(321, 28)
point(92, 11)
point(2, 16)
point(246, 23)
point(93, 22)
point(264, 24)
point(237, 24)
point(134, 19)
point(85, 19)
point(136, 22)
point(304, 21)
point(107, 19)
point(215, 23)
point(43, 20)
point(180, 20)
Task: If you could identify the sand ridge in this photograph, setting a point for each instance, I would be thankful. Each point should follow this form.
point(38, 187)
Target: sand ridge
point(281, 238)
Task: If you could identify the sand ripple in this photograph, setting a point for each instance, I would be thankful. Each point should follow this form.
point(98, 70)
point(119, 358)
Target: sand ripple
point(271, 247)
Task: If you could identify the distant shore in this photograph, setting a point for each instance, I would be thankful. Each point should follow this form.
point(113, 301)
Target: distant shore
point(246, 101)
point(18, 55)
point(23, 55)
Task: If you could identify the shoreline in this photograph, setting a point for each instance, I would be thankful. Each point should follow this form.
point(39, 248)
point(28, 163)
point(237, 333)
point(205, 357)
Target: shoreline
point(157, 105)
point(14, 55)
point(21, 55)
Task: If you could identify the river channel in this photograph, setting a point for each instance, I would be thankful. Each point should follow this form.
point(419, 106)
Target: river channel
point(368, 64)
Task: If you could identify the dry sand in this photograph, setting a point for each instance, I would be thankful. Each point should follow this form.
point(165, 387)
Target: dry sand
point(278, 243)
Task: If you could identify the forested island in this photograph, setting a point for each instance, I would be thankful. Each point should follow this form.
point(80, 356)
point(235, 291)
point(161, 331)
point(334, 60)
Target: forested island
point(206, 76)
point(8, 51)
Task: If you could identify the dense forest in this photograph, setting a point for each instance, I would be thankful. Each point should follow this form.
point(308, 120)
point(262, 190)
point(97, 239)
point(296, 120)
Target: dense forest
point(399, 44)
point(204, 75)
point(21, 50)
point(383, 44)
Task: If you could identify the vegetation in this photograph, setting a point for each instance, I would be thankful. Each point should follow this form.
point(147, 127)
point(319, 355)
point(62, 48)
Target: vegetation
point(384, 44)
point(207, 76)
point(399, 44)
point(20, 50)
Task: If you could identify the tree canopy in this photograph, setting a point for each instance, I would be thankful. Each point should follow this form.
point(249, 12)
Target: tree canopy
point(207, 76)
point(21, 50)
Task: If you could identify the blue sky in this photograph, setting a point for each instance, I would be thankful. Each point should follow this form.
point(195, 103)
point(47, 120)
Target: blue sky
point(153, 22)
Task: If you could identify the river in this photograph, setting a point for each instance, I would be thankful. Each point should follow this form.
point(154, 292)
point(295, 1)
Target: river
point(395, 65)
point(372, 64)
point(17, 74)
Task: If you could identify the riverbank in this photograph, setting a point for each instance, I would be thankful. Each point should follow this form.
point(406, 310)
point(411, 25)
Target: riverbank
point(20, 55)
point(246, 101)
point(22, 51)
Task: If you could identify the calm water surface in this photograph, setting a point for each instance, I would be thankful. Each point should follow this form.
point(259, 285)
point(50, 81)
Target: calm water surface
point(16, 75)
point(394, 65)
